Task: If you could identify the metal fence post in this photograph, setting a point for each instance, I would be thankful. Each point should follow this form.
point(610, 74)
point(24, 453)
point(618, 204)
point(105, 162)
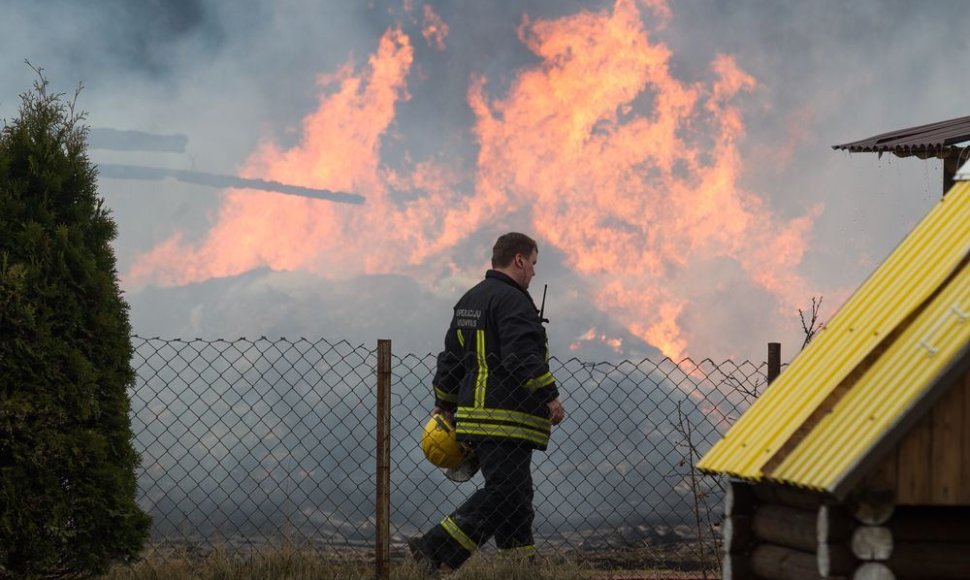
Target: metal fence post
point(774, 361)
point(383, 508)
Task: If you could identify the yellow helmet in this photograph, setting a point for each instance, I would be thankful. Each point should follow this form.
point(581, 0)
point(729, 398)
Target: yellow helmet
point(439, 444)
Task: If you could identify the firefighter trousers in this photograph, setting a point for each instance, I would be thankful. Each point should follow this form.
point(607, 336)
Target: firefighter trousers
point(501, 508)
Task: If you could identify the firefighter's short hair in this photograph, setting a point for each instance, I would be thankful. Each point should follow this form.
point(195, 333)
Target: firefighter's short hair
point(508, 245)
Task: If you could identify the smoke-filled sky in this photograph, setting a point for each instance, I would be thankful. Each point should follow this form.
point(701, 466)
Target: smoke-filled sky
point(341, 169)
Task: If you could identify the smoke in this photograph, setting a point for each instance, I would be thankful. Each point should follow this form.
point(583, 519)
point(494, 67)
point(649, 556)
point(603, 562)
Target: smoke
point(638, 196)
point(684, 195)
point(246, 438)
point(640, 200)
point(120, 140)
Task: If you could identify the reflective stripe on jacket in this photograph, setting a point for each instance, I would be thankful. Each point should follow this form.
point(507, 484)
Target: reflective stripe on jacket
point(494, 371)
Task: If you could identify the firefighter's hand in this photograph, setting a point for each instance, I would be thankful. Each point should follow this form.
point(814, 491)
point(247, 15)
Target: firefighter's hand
point(446, 414)
point(556, 412)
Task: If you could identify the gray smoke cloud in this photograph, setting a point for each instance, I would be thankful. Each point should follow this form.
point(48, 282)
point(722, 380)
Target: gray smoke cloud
point(278, 434)
point(222, 77)
point(127, 140)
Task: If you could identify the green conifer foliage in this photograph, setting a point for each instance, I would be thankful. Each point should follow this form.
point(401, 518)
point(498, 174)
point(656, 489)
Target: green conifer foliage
point(67, 465)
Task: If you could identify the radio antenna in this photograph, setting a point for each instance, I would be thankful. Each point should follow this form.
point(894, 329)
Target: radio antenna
point(542, 309)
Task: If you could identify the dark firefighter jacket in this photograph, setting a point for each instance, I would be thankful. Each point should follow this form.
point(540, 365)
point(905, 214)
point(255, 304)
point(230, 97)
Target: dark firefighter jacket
point(494, 371)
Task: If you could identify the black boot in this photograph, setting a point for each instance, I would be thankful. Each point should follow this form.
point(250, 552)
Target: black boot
point(427, 564)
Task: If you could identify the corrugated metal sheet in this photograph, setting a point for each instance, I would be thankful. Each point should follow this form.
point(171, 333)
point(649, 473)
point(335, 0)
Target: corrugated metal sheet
point(908, 277)
point(884, 393)
point(924, 140)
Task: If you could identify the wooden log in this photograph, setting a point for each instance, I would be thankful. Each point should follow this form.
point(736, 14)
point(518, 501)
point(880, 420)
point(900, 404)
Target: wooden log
point(873, 507)
point(786, 526)
point(737, 534)
point(834, 524)
point(739, 499)
point(938, 560)
point(835, 561)
point(788, 496)
point(873, 571)
point(736, 567)
point(931, 524)
point(872, 543)
point(779, 563)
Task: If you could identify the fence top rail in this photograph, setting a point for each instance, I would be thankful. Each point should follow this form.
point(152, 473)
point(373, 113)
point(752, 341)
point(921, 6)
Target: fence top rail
point(687, 360)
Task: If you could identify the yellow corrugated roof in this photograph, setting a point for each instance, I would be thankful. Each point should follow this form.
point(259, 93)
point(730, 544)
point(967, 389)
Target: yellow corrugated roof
point(863, 342)
point(886, 390)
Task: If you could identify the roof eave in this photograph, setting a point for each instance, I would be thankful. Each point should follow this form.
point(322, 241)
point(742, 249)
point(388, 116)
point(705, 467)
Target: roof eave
point(938, 151)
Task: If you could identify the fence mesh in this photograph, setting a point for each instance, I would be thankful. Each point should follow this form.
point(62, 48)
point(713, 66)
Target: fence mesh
point(249, 442)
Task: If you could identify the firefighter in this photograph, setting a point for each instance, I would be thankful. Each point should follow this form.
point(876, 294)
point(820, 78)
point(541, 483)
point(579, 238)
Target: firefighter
point(493, 382)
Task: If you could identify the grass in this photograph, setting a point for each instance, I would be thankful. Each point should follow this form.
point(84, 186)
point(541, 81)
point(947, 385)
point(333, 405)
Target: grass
point(284, 563)
point(292, 564)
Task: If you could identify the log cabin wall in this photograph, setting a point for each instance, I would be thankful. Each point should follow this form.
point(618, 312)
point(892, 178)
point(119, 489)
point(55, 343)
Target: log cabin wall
point(774, 532)
point(931, 465)
point(908, 519)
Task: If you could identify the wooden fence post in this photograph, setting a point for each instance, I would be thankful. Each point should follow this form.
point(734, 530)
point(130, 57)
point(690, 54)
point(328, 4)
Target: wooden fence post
point(774, 361)
point(383, 507)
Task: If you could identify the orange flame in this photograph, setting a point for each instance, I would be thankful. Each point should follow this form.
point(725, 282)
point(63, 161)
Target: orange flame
point(635, 201)
point(435, 29)
point(641, 202)
point(592, 335)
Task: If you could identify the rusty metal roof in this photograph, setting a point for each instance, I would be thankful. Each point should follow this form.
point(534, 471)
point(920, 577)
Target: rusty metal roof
point(932, 140)
point(869, 371)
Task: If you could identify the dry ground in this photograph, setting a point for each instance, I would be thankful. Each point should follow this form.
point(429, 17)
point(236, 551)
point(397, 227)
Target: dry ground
point(294, 564)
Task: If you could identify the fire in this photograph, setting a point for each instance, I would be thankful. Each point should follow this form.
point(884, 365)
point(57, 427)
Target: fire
point(592, 335)
point(637, 202)
point(435, 29)
point(642, 199)
point(338, 150)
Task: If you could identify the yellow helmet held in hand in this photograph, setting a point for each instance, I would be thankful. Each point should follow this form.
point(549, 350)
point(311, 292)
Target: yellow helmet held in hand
point(440, 445)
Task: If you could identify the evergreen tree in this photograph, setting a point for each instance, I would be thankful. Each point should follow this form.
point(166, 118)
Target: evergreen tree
point(67, 481)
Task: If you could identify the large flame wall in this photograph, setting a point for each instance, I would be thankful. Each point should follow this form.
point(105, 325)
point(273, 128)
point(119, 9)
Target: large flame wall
point(632, 174)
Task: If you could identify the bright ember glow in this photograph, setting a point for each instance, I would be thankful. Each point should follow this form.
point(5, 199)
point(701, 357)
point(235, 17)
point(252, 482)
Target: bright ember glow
point(629, 172)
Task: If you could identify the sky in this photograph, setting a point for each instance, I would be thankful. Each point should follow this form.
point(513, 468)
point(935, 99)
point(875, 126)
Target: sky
point(341, 169)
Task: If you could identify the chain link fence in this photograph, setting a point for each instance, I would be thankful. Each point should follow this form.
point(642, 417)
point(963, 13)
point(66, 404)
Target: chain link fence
point(247, 443)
